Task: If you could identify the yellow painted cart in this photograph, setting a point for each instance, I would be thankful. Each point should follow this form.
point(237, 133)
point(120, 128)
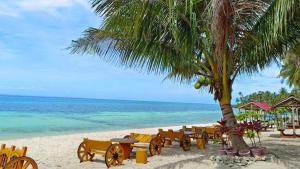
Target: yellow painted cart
point(153, 142)
point(12, 158)
point(113, 153)
point(183, 137)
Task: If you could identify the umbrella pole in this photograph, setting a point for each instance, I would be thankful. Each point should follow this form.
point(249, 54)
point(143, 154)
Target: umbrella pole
point(293, 113)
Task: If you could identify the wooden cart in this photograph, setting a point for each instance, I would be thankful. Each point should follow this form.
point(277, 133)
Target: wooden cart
point(197, 132)
point(154, 143)
point(212, 131)
point(12, 158)
point(181, 136)
point(113, 153)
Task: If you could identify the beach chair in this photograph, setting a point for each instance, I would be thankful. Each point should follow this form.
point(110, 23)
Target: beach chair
point(12, 158)
point(178, 136)
point(113, 153)
point(152, 142)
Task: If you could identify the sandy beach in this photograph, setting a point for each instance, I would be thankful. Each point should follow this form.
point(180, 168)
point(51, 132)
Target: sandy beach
point(54, 152)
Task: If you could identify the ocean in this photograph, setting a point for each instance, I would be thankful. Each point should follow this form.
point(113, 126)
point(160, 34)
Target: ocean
point(29, 116)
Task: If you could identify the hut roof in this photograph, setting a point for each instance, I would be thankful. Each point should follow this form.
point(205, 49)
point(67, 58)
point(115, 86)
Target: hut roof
point(291, 101)
point(256, 105)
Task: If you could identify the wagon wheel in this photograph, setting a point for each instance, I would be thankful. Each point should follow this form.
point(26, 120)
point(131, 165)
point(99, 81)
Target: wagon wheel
point(163, 140)
point(155, 146)
point(84, 153)
point(22, 163)
point(3, 160)
point(186, 143)
point(114, 155)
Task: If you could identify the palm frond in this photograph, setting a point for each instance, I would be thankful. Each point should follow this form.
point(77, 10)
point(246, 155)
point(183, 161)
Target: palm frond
point(174, 37)
point(271, 34)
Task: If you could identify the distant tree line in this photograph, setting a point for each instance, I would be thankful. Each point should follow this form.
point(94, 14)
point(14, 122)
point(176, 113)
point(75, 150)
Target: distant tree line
point(267, 96)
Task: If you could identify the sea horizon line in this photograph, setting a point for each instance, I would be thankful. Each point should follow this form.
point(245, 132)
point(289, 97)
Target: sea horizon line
point(106, 99)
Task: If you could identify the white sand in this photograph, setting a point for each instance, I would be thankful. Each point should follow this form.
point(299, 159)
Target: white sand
point(55, 152)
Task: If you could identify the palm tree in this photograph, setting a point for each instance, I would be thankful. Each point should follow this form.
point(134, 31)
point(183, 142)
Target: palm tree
point(290, 70)
point(208, 41)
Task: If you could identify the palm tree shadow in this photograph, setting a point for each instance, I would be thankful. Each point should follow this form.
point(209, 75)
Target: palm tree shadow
point(175, 149)
point(287, 154)
point(274, 135)
point(201, 159)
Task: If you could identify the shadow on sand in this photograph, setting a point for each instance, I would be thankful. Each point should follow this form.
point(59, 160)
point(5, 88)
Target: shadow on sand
point(287, 152)
point(202, 156)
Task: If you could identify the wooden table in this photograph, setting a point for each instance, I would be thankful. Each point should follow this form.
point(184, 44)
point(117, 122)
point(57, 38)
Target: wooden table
point(188, 133)
point(126, 145)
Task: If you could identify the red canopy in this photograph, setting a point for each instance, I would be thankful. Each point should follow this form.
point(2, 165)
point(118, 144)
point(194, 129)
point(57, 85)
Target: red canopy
point(256, 105)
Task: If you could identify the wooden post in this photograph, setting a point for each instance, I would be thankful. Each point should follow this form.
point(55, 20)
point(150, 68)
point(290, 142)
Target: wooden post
point(293, 121)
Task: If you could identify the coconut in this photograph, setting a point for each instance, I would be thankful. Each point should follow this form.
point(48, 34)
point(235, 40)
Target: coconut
point(197, 85)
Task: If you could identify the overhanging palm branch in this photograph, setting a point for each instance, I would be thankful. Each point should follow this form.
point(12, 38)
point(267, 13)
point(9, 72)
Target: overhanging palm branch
point(210, 40)
point(290, 70)
point(179, 38)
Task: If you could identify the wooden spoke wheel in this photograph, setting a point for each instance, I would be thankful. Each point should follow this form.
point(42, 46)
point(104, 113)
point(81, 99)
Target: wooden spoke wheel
point(186, 143)
point(163, 140)
point(84, 153)
point(114, 155)
point(3, 160)
point(155, 146)
point(22, 163)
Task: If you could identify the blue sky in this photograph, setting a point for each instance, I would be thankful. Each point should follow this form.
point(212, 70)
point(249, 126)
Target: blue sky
point(33, 59)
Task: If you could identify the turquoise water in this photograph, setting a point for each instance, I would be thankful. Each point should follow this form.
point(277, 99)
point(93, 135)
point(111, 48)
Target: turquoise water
point(26, 116)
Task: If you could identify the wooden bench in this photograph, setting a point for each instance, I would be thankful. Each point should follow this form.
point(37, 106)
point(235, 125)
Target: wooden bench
point(152, 142)
point(179, 136)
point(290, 126)
point(113, 153)
point(12, 158)
point(285, 135)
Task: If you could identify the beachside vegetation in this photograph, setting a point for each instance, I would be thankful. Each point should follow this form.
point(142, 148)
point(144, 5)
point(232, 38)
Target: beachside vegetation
point(278, 116)
point(209, 42)
point(267, 96)
point(290, 70)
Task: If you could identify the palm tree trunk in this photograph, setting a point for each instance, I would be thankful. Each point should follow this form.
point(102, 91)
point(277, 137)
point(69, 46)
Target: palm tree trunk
point(237, 142)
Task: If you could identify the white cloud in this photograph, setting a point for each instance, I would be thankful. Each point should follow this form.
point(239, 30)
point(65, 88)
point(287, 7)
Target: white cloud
point(15, 7)
point(7, 10)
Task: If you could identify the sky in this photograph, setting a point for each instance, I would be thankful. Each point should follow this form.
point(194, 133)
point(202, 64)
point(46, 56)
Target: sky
point(34, 35)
